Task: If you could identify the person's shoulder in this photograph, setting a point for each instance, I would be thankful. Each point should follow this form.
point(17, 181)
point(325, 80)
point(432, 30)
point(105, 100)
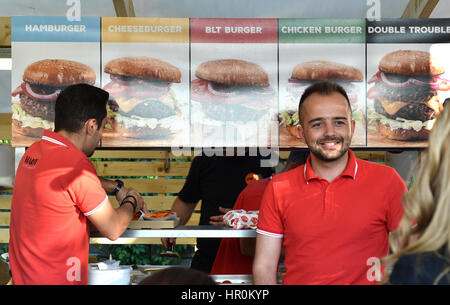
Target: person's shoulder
point(376, 168)
point(419, 268)
point(257, 184)
point(288, 175)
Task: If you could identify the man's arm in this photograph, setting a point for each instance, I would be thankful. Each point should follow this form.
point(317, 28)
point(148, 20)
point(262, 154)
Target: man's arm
point(184, 211)
point(111, 222)
point(110, 185)
point(265, 264)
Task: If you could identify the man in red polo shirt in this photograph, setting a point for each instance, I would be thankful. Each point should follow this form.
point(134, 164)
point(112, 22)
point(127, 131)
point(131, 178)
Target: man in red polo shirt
point(56, 192)
point(332, 215)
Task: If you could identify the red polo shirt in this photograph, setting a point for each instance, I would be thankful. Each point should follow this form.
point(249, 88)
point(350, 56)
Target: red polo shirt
point(55, 189)
point(229, 259)
point(333, 231)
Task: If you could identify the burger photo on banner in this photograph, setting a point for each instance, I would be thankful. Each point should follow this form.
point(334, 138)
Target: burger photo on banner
point(33, 101)
point(405, 97)
point(231, 97)
point(307, 73)
point(145, 105)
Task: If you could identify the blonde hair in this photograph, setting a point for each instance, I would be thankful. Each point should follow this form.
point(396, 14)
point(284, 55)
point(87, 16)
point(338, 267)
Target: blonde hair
point(427, 204)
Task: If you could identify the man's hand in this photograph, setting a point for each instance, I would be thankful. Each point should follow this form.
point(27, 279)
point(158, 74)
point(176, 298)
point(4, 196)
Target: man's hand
point(121, 194)
point(168, 243)
point(140, 204)
point(218, 220)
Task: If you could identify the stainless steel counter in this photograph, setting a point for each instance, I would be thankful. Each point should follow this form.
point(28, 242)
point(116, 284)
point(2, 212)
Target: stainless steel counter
point(187, 231)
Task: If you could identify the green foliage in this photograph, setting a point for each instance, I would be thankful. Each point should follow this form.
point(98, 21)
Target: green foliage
point(131, 254)
point(157, 259)
point(3, 248)
point(145, 254)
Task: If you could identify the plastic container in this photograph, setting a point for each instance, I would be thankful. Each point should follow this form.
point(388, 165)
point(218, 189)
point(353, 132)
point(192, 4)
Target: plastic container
point(119, 275)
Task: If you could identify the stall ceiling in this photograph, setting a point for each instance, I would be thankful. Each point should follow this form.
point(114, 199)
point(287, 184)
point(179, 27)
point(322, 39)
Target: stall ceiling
point(211, 8)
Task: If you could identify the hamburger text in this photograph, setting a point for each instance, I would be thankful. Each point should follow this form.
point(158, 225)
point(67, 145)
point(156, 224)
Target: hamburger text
point(55, 28)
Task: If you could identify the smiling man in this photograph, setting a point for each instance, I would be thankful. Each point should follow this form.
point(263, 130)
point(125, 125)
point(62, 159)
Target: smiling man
point(332, 215)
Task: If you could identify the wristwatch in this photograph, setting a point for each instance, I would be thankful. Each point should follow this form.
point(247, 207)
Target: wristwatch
point(118, 187)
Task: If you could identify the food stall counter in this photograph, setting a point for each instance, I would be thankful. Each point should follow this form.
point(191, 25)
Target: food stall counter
point(187, 231)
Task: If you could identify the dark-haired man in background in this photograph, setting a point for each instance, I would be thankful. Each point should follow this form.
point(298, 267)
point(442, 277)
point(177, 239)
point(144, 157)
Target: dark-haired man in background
point(332, 215)
point(217, 182)
point(57, 190)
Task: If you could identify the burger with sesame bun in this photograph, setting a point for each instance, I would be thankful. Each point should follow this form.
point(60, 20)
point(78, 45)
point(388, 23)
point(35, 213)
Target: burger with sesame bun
point(42, 83)
point(305, 74)
point(405, 95)
point(141, 87)
point(232, 90)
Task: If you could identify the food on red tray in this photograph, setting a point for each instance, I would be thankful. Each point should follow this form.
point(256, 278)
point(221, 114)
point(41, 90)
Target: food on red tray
point(158, 214)
point(42, 82)
point(232, 90)
point(405, 94)
point(140, 86)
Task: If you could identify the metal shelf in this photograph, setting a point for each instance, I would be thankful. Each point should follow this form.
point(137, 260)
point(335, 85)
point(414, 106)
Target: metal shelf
point(187, 231)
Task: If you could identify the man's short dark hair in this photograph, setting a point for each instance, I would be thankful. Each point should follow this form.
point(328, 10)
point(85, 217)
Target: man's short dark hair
point(322, 88)
point(78, 103)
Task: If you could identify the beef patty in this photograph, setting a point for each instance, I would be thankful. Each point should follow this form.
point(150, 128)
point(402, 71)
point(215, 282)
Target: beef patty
point(411, 111)
point(41, 109)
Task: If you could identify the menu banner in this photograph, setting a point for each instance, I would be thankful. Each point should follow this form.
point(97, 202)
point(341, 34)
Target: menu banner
point(408, 77)
point(322, 30)
point(234, 68)
point(209, 30)
point(64, 52)
point(408, 31)
point(230, 82)
point(313, 50)
point(56, 29)
point(145, 68)
point(151, 30)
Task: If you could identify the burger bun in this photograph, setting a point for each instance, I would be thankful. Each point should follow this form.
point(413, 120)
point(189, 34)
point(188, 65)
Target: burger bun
point(233, 72)
point(402, 134)
point(144, 68)
point(58, 73)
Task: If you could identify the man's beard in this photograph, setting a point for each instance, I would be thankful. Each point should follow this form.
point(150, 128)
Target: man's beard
point(317, 151)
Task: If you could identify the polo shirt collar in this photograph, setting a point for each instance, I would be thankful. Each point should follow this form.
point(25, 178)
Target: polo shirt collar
point(350, 170)
point(56, 138)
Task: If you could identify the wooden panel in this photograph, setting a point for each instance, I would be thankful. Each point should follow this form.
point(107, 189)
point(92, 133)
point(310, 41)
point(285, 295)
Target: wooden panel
point(126, 168)
point(5, 219)
point(4, 236)
point(419, 8)
point(284, 155)
point(5, 126)
point(137, 154)
point(153, 202)
point(159, 186)
point(156, 202)
point(4, 239)
point(371, 155)
point(5, 32)
point(5, 202)
point(124, 8)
